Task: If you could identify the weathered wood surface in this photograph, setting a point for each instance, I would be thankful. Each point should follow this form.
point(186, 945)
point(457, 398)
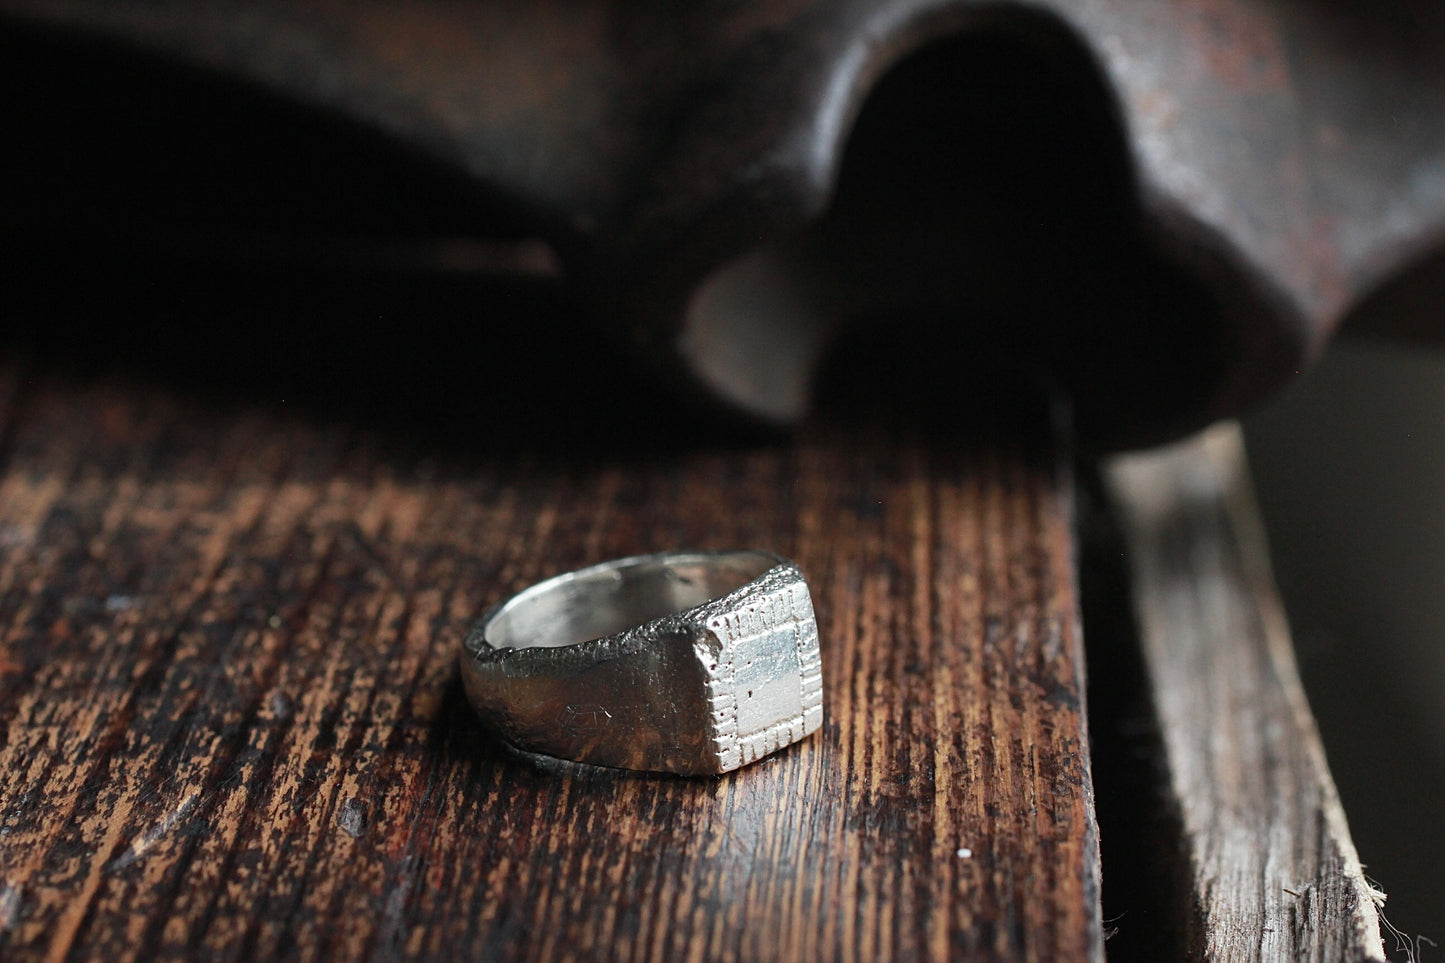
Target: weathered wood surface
point(232, 727)
point(1272, 873)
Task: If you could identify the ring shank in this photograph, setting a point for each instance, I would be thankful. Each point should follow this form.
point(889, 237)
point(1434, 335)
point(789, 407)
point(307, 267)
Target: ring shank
point(606, 599)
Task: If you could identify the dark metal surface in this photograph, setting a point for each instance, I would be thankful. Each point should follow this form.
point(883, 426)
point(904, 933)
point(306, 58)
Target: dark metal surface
point(1163, 207)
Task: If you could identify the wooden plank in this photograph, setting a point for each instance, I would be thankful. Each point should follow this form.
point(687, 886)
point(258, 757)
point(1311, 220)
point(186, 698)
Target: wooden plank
point(232, 726)
point(1272, 872)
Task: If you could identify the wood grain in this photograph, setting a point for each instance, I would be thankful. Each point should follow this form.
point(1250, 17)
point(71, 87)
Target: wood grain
point(232, 726)
point(1272, 873)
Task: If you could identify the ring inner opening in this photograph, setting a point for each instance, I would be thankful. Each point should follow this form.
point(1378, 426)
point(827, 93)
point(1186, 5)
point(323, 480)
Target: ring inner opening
point(606, 599)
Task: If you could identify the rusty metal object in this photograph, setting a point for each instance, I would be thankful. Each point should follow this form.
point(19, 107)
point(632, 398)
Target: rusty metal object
point(1164, 207)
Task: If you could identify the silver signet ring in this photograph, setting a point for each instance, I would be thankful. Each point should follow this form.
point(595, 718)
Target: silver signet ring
point(685, 662)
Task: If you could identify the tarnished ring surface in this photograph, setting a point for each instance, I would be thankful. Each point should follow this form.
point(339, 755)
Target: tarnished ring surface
point(685, 662)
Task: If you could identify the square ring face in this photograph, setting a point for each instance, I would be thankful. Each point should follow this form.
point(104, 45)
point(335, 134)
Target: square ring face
point(766, 690)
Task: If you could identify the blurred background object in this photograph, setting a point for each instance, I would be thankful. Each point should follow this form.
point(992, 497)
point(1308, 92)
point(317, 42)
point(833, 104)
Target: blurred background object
point(1162, 209)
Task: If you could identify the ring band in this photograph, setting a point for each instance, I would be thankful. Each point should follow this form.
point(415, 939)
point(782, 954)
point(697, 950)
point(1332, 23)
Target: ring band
point(685, 662)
